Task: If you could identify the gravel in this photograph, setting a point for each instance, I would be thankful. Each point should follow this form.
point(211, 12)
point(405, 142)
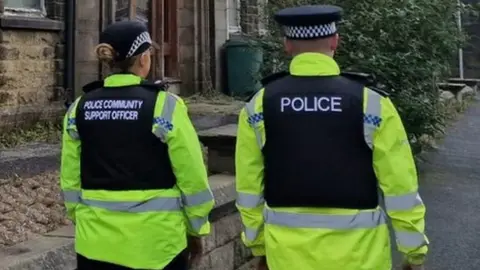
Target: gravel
point(30, 207)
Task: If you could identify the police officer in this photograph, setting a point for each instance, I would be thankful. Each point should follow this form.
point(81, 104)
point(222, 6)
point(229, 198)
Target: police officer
point(313, 146)
point(132, 172)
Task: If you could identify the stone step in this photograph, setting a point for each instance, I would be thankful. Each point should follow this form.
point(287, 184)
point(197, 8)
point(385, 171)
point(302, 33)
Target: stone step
point(470, 82)
point(220, 142)
point(452, 87)
point(54, 250)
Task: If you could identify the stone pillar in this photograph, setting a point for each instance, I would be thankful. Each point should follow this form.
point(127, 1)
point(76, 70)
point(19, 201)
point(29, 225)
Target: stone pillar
point(221, 36)
point(187, 48)
point(86, 38)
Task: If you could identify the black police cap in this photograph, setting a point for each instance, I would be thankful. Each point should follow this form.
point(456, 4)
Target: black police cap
point(127, 38)
point(309, 22)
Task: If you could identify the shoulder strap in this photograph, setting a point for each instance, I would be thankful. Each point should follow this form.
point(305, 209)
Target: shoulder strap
point(273, 77)
point(379, 91)
point(89, 87)
point(363, 78)
point(366, 79)
point(154, 86)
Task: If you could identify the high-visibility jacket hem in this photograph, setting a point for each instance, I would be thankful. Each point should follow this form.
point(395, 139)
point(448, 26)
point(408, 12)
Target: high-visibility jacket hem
point(258, 251)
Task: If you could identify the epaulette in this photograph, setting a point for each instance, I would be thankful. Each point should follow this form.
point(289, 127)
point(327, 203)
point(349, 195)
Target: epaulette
point(155, 86)
point(273, 77)
point(89, 87)
point(251, 96)
point(379, 91)
point(366, 79)
point(363, 78)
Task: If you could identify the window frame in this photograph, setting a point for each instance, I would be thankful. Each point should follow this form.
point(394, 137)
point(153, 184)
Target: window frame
point(26, 12)
point(165, 62)
point(233, 29)
point(263, 20)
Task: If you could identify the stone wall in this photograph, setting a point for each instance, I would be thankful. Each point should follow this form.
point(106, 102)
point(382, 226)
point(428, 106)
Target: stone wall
point(31, 58)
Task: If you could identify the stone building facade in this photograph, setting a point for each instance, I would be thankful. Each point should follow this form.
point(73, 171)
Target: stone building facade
point(190, 33)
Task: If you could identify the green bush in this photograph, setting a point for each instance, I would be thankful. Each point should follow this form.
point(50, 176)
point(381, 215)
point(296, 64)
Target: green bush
point(407, 44)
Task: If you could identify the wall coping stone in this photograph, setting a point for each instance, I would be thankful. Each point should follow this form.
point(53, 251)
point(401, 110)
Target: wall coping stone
point(30, 23)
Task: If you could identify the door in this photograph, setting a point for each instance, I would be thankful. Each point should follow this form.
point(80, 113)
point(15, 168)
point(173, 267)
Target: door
point(161, 18)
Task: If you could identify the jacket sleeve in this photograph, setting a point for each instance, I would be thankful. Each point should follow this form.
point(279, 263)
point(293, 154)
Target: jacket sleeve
point(396, 172)
point(249, 174)
point(70, 162)
point(187, 161)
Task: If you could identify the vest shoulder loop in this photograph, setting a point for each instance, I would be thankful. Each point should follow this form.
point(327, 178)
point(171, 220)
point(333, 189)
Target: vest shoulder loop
point(379, 91)
point(89, 87)
point(254, 94)
point(363, 78)
point(273, 77)
point(154, 86)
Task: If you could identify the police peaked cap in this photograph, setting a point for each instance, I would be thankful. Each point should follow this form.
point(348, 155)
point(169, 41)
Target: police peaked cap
point(309, 22)
point(127, 38)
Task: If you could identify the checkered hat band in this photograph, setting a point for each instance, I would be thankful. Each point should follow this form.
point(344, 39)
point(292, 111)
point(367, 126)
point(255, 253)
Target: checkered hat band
point(138, 42)
point(310, 32)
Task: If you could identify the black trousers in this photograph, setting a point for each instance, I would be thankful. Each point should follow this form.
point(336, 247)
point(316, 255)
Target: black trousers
point(179, 263)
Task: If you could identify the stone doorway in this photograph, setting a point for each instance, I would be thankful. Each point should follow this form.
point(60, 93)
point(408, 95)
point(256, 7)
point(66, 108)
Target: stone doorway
point(161, 18)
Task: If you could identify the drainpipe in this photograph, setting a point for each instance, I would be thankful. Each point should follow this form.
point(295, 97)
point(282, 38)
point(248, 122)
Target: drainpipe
point(460, 50)
point(69, 71)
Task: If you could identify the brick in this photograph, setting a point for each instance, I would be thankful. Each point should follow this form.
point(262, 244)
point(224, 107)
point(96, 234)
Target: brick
point(187, 53)
point(59, 77)
point(59, 50)
point(220, 258)
point(7, 98)
point(59, 64)
point(32, 96)
point(186, 18)
point(8, 52)
point(48, 52)
point(85, 44)
point(186, 35)
point(241, 253)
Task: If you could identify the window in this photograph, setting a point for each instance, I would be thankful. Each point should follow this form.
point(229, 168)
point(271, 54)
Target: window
point(233, 16)
point(25, 7)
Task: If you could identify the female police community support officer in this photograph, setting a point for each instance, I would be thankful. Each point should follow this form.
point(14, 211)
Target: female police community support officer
point(312, 148)
point(132, 171)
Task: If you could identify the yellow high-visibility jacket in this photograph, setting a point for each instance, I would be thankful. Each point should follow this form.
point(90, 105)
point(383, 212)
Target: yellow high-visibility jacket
point(141, 229)
point(325, 238)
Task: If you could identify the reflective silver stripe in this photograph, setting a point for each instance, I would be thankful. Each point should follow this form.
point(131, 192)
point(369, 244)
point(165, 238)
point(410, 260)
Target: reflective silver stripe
point(411, 239)
point(374, 108)
point(197, 198)
point(167, 114)
point(249, 200)
point(72, 132)
point(198, 223)
point(71, 196)
point(403, 202)
point(250, 109)
point(251, 234)
point(297, 220)
point(157, 204)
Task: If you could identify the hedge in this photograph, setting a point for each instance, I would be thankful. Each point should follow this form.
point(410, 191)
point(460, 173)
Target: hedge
point(409, 45)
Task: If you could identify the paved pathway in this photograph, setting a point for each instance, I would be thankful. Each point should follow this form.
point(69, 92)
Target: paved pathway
point(450, 187)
